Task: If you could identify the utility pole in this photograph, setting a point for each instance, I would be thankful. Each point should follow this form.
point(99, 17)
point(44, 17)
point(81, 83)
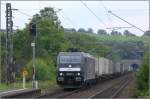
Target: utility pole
point(0, 47)
point(9, 43)
point(33, 58)
point(149, 50)
point(125, 21)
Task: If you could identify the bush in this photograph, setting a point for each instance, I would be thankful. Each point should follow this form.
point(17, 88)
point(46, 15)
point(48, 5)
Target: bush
point(45, 70)
point(142, 78)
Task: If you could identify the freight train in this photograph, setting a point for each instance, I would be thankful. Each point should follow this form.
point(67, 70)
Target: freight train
point(76, 69)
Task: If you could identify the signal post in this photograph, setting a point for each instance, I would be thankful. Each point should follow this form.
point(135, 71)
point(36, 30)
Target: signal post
point(32, 30)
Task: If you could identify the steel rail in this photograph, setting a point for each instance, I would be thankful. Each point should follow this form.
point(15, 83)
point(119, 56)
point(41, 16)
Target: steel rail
point(120, 89)
point(107, 89)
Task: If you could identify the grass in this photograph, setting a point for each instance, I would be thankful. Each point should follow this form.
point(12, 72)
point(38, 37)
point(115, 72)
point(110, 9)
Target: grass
point(43, 85)
point(4, 87)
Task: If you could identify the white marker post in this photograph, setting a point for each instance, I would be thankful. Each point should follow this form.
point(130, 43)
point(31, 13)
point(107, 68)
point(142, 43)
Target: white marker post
point(24, 81)
point(24, 74)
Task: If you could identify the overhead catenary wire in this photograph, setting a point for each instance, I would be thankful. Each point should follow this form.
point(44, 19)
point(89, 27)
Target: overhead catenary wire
point(19, 11)
point(98, 18)
point(118, 27)
point(24, 13)
point(60, 14)
point(67, 18)
point(109, 18)
point(121, 19)
point(106, 9)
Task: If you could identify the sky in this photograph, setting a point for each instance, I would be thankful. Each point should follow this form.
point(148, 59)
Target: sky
point(74, 14)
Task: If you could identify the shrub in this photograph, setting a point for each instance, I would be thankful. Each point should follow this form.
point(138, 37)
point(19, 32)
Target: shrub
point(45, 70)
point(142, 78)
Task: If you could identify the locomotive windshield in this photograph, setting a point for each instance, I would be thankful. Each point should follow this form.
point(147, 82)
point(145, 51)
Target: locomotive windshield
point(70, 59)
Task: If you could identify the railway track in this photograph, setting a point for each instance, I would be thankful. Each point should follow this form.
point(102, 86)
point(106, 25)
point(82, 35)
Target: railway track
point(97, 91)
point(59, 94)
point(112, 91)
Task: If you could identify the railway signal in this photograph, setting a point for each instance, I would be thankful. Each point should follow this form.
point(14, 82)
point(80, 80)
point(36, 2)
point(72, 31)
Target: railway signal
point(32, 29)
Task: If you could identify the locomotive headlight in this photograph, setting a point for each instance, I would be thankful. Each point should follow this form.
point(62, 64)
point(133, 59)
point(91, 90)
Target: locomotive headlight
point(60, 74)
point(60, 79)
point(78, 78)
point(78, 74)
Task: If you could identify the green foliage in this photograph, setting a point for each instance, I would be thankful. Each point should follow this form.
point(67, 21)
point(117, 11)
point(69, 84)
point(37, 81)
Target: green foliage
point(124, 47)
point(49, 41)
point(146, 33)
point(142, 78)
point(102, 32)
point(22, 47)
point(44, 70)
point(128, 33)
point(87, 43)
point(119, 38)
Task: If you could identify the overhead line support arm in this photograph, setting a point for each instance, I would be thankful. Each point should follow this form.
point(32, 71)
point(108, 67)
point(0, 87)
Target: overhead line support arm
point(125, 21)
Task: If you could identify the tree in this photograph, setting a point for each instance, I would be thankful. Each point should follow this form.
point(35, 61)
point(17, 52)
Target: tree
point(101, 32)
point(49, 41)
point(128, 33)
point(50, 34)
point(87, 43)
point(146, 33)
point(69, 30)
point(81, 30)
point(44, 69)
point(90, 30)
point(115, 32)
point(73, 30)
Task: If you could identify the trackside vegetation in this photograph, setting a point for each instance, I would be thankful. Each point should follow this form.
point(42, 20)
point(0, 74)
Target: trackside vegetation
point(142, 78)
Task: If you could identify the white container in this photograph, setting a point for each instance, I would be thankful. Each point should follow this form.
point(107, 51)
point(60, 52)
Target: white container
point(111, 67)
point(96, 67)
point(117, 67)
point(102, 66)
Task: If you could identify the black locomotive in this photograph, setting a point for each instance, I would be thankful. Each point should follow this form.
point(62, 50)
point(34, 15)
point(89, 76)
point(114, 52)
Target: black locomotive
point(74, 69)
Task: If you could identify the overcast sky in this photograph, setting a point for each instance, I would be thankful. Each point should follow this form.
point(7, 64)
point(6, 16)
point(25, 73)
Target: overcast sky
point(75, 15)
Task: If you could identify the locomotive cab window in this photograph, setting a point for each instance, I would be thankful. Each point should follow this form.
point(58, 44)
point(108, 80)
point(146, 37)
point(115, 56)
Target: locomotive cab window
point(70, 59)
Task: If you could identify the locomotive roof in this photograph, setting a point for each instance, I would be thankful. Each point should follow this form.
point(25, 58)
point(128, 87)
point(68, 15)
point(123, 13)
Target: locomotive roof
point(79, 53)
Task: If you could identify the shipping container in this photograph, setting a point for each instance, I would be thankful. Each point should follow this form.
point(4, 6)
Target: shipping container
point(110, 68)
point(102, 66)
point(117, 67)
